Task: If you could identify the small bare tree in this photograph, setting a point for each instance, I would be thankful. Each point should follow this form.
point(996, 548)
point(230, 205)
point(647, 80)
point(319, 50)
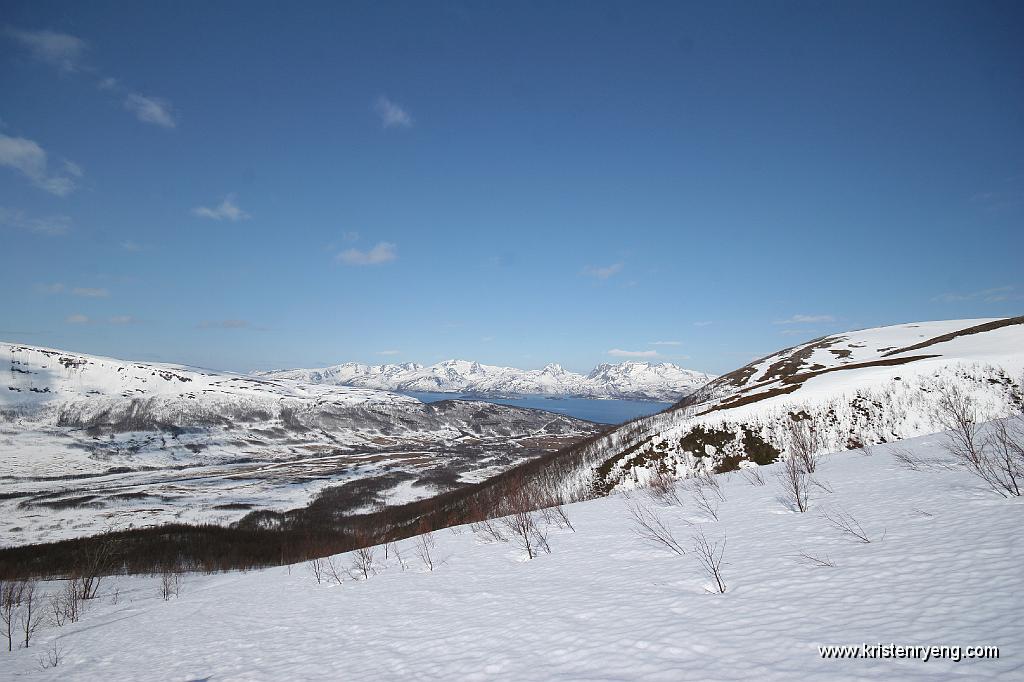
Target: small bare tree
point(651, 527)
point(796, 485)
point(997, 459)
point(824, 561)
point(706, 505)
point(754, 476)
point(710, 555)
point(425, 550)
point(333, 570)
point(488, 531)
point(362, 563)
point(170, 583)
point(31, 612)
point(11, 593)
point(804, 443)
point(316, 567)
point(53, 656)
point(526, 533)
point(67, 605)
point(557, 515)
point(662, 488)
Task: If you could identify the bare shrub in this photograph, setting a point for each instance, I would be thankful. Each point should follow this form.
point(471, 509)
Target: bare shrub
point(488, 531)
point(557, 515)
point(332, 570)
point(362, 563)
point(53, 656)
point(710, 555)
point(11, 593)
point(662, 488)
point(649, 526)
point(754, 476)
point(170, 584)
point(847, 525)
point(824, 560)
point(796, 485)
point(997, 459)
point(705, 504)
point(822, 485)
point(425, 550)
point(526, 533)
point(804, 443)
point(908, 460)
point(316, 568)
point(95, 562)
point(32, 612)
point(705, 480)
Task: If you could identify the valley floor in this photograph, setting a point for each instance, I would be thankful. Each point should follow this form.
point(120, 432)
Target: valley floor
point(943, 568)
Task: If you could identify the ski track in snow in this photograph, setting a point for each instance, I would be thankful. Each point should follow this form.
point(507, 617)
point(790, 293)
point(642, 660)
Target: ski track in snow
point(604, 605)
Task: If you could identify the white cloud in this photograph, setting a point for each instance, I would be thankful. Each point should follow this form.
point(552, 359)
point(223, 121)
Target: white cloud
point(123, 319)
point(224, 324)
point(51, 226)
point(806, 319)
point(666, 343)
point(994, 295)
point(389, 352)
point(57, 49)
point(798, 332)
point(383, 252)
point(54, 288)
point(603, 272)
point(392, 115)
point(150, 110)
point(619, 353)
point(702, 324)
point(107, 83)
point(134, 247)
point(77, 318)
point(29, 159)
point(228, 210)
point(89, 292)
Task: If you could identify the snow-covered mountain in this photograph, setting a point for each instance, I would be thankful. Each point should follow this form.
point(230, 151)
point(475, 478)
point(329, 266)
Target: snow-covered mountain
point(630, 380)
point(87, 441)
point(857, 388)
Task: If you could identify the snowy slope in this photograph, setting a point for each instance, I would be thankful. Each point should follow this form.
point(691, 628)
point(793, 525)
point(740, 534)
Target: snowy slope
point(605, 605)
point(633, 380)
point(87, 442)
point(861, 387)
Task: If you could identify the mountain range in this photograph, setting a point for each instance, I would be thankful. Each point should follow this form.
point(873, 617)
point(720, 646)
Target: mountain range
point(627, 380)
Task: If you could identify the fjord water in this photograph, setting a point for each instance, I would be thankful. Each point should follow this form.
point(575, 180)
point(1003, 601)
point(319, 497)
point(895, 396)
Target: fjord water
point(601, 411)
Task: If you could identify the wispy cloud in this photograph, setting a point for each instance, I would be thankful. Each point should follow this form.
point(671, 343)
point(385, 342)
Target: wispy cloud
point(150, 110)
point(603, 272)
point(50, 226)
point(227, 210)
point(77, 318)
point(391, 114)
point(619, 353)
point(133, 247)
point(806, 319)
point(389, 352)
point(29, 159)
point(803, 331)
point(666, 343)
point(224, 324)
point(702, 324)
point(383, 252)
point(994, 295)
point(54, 288)
point(60, 50)
point(123, 319)
point(90, 292)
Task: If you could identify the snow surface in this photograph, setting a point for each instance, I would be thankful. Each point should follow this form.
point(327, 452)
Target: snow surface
point(629, 380)
point(943, 568)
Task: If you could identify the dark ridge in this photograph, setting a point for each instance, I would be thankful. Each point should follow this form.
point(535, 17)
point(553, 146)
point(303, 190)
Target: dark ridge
point(977, 329)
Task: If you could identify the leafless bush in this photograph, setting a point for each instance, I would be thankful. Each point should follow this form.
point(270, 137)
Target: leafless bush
point(32, 613)
point(649, 526)
point(706, 505)
point(908, 460)
point(53, 656)
point(425, 550)
point(824, 561)
point(526, 533)
point(845, 523)
point(398, 555)
point(997, 459)
point(662, 488)
point(94, 564)
point(796, 485)
point(488, 531)
point(804, 443)
point(867, 450)
point(11, 594)
point(705, 480)
point(822, 485)
point(362, 563)
point(557, 515)
point(316, 568)
point(754, 476)
point(710, 555)
point(170, 584)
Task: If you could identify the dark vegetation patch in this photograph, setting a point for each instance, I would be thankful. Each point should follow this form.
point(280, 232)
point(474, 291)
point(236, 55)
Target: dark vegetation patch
point(234, 506)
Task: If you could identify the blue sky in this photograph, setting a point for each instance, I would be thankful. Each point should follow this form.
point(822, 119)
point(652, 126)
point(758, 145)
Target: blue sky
point(250, 185)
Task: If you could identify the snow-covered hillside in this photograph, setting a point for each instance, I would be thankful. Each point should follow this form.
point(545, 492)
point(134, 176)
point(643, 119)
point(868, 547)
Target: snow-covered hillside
point(631, 380)
point(941, 568)
point(88, 442)
point(857, 388)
